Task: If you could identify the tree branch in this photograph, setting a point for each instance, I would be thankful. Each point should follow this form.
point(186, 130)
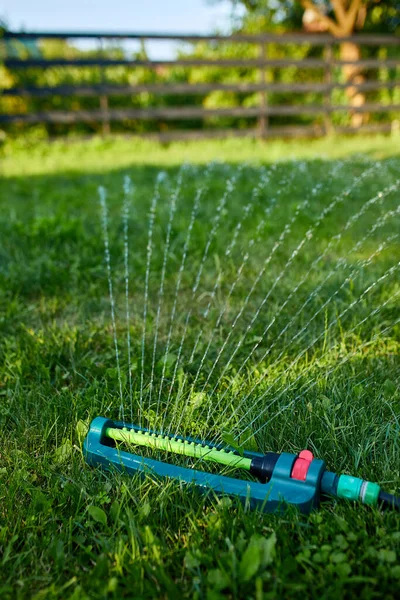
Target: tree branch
point(351, 15)
point(332, 26)
point(339, 10)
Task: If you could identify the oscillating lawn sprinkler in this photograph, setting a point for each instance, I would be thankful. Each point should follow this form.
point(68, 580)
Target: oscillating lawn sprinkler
point(298, 480)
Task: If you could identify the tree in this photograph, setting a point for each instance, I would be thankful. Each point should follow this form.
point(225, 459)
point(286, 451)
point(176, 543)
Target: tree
point(347, 16)
point(341, 18)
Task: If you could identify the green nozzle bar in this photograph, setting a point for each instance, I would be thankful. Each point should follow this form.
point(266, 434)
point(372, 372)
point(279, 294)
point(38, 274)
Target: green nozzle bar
point(177, 446)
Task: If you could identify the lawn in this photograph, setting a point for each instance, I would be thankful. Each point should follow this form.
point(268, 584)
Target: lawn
point(280, 326)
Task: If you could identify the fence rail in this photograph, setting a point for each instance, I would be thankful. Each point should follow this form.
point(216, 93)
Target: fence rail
point(190, 88)
point(293, 38)
point(308, 63)
point(171, 114)
point(106, 114)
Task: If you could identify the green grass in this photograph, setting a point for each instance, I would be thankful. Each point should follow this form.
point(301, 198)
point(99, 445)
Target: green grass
point(70, 531)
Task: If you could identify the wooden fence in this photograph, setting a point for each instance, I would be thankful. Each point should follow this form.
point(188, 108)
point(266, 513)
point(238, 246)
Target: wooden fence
point(328, 63)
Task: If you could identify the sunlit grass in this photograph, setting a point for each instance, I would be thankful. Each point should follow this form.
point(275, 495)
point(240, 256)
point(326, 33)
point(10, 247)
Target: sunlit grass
point(70, 531)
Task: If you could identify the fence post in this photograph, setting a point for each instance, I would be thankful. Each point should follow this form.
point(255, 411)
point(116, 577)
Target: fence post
point(328, 80)
point(105, 117)
point(263, 119)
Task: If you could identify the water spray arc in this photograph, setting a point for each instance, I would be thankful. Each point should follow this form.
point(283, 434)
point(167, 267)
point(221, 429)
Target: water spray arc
point(269, 481)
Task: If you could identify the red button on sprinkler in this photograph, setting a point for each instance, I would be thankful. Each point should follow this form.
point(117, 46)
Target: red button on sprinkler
point(301, 465)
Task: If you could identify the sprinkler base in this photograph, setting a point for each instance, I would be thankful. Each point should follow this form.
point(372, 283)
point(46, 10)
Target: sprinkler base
point(281, 489)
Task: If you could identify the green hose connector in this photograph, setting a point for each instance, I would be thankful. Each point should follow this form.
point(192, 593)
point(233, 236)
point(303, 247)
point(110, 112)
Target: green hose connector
point(179, 446)
point(355, 489)
point(370, 493)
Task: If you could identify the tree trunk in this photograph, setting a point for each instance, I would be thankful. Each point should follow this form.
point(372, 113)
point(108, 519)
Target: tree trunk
point(353, 74)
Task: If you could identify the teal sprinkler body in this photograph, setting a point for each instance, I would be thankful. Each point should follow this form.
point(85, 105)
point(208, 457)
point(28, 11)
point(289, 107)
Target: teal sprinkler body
point(299, 480)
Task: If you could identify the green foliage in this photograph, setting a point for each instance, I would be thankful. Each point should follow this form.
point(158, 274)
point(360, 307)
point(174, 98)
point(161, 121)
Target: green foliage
point(229, 439)
point(267, 15)
point(259, 554)
point(97, 514)
point(381, 16)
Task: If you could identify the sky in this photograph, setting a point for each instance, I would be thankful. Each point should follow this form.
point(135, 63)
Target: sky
point(145, 16)
point(183, 16)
